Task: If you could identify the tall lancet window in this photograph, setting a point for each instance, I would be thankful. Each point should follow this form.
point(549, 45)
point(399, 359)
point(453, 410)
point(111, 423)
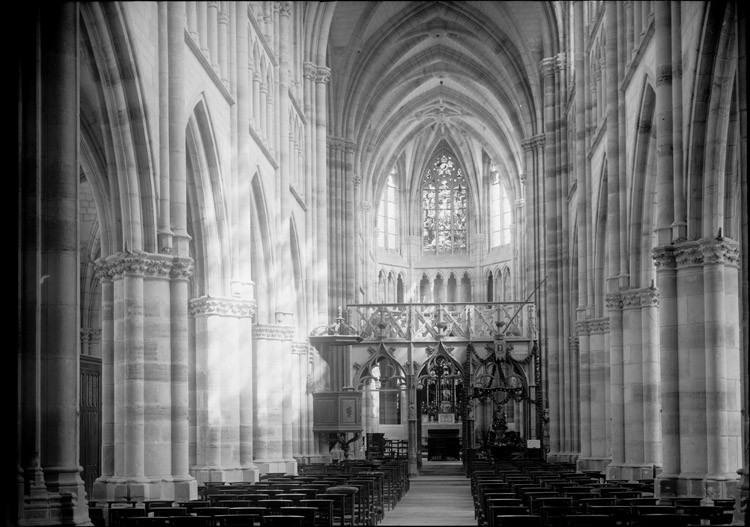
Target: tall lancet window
point(388, 214)
point(500, 212)
point(444, 207)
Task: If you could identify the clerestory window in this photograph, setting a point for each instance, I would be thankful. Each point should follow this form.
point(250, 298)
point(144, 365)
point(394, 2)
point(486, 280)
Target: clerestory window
point(444, 207)
point(500, 217)
point(388, 215)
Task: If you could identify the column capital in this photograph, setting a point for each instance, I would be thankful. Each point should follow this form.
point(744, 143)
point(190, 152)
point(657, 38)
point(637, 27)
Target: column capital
point(613, 300)
point(230, 307)
point(300, 348)
point(285, 8)
point(664, 257)
point(145, 264)
point(273, 332)
point(533, 143)
point(688, 254)
point(720, 251)
point(643, 297)
point(583, 327)
point(598, 325)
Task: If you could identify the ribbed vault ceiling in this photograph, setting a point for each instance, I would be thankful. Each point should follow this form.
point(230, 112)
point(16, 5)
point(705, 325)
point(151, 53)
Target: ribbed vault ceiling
point(408, 75)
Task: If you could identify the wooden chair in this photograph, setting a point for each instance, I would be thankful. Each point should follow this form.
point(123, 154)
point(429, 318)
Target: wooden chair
point(210, 511)
point(284, 520)
point(151, 504)
point(191, 521)
point(666, 519)
point(274, 505)
point(555, 515)
point(238, 520)
point(166, 512)
point(518, 520)
point(590, 520)
point(118, 515)
point(147, 521)
point(310, 513)
point(325, 510)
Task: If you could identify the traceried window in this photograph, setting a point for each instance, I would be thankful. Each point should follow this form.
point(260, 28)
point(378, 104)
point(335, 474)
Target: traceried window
point(444, 207)
point(388, 214)
point(500, 217)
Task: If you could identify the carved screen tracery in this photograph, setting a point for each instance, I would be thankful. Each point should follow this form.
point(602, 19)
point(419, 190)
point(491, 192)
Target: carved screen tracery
point(440, 381)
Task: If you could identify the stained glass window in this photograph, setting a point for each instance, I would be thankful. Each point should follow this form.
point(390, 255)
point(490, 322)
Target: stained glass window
point(444, 207)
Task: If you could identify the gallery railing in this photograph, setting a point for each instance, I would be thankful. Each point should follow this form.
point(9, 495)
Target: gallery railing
point(451, 321)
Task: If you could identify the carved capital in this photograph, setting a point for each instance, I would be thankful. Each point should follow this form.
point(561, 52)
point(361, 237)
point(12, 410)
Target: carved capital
point(273, 332)
point(350, 146)
point(636, 298)
point(323, 74)
point(688, 254)
point(91, 335)
point(309, 70)
point(664, 257)
point(336, 143)
point(230, 307)
point(720, 251)
point(598, 326)
point(137, 263)
point(182, 268)
point(285, 8)
point(613, 300)
point(583, 327)
point(300, 348)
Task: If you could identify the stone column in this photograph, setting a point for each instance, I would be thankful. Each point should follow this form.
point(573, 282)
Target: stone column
point(584, 353)
point(223, 382)
point(666, 280)
point(679, 225)
point(599, 394)
point(722, 365)
point(322, 77)
point(663, 118)
point(223, 44)
point(268, 343)
point(550, 228)
point(650, 344)
point(299, 362)
point(184, 485)
point(50, 454)
point(203, 28)
point(213, 34)
point(108, 380)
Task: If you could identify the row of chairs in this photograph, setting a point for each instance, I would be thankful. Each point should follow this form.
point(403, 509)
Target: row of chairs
point(536, 493)
point(332, 495)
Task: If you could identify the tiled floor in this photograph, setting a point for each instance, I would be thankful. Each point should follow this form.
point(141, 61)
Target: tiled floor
point(436, 497)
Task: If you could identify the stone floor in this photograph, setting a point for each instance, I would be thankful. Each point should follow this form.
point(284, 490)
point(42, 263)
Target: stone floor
point(440, 495)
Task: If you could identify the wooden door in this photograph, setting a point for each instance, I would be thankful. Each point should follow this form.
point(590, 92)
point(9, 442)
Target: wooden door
point(91, 421)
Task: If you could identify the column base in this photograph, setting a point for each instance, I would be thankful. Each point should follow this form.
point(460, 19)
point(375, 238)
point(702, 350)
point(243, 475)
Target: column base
point(115, 488)
point(599, 464)
point(631, 472)
point(707, 487)
point(562, 457)
point(62, 501)
point(276, 466)
point(318, 459)
point(224, 474)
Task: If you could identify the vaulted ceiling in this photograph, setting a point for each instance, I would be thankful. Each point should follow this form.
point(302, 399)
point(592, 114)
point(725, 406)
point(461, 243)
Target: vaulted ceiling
point(407, 76)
